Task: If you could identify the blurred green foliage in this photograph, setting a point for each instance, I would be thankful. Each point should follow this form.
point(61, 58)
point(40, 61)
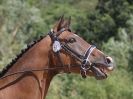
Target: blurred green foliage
point(106, 23)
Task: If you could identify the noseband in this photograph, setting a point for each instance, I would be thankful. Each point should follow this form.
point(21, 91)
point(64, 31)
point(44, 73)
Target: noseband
point(84, 59)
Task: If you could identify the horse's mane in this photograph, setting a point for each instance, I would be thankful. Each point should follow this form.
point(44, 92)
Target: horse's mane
point(8, 66)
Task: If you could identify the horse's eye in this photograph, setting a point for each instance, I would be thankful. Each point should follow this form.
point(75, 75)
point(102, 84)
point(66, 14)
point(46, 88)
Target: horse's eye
point(72, 40)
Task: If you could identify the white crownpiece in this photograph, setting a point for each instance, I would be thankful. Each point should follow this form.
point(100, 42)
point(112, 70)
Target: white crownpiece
point(52, 30)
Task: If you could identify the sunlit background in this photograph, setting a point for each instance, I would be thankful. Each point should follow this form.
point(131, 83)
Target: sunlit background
point(106, 23)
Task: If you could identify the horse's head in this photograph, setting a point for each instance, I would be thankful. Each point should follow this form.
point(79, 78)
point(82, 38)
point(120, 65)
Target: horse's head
point(76, 55)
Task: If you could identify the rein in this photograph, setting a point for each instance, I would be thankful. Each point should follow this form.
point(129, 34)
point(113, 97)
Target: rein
point(57, 46)
point(35, 70)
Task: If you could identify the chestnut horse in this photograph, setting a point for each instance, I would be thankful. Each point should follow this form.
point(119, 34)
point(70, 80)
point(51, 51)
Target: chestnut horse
point(29, 75)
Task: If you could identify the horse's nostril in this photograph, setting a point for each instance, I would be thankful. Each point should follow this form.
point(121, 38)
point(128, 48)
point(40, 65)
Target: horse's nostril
point(110, 63)
point(109, 60)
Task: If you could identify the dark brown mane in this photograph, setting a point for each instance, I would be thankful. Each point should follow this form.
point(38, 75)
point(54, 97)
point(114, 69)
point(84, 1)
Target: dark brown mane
point(8, 66)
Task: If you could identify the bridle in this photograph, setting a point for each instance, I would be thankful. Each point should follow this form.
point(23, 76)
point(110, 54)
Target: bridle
point(84, 59)
point(57, 47)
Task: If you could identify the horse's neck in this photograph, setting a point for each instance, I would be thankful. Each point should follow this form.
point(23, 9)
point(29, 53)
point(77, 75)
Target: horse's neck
point(37, 57)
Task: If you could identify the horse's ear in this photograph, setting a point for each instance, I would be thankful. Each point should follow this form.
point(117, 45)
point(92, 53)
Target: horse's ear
point(67, 23)
point(58, 24)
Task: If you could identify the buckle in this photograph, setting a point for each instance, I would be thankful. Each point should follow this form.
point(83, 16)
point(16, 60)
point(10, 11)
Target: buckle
point(83, 73)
